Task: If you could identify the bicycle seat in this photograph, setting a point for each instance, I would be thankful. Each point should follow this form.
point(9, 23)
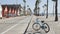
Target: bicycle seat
point(42, 21)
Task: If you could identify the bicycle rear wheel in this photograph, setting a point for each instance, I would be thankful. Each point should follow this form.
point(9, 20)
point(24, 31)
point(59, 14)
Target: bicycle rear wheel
point(36, 26)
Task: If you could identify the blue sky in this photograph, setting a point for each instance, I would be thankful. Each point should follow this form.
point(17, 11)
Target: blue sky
point(31, 4)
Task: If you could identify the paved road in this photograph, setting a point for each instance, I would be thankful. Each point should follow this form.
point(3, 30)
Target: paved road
point(14, 25)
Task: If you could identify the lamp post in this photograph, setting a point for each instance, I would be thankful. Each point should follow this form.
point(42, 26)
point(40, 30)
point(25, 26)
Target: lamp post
point(56, 16)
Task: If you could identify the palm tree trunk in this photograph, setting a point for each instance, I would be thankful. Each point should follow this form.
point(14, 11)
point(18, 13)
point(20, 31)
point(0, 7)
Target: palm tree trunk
point(24, 5)
point(56, 16)
point(47, 10)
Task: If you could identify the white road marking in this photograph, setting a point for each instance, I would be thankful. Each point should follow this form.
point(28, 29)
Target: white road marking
point(9, 29)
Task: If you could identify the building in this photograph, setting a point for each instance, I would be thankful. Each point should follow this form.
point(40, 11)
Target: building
point(10, 10)
point(0, 11)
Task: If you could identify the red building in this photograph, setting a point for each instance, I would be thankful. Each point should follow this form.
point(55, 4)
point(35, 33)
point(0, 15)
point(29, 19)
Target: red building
point(10, 10)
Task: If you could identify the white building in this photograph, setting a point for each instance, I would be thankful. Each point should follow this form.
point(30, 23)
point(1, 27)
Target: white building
point(0, 11)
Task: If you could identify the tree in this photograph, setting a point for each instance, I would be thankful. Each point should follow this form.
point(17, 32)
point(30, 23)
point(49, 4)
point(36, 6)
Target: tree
point(38, 10)
point(30, 11)
point(35, 11)
point(24, 1)
point(47, 10)
point(56, 16)
point(24, 5)
point(37, 6)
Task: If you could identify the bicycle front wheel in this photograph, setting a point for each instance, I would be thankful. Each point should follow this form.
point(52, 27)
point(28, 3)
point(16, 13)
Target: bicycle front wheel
point(46, 28)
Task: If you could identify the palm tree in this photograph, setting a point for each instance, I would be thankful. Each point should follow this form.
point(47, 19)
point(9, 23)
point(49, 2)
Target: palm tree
point(30, 11)
point(36, 6)
point(24, 5)
point(38, 10)
point(35, 12)
point(47, 10)
point(56, 16)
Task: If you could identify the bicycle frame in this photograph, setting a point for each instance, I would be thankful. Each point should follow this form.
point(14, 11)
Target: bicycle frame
point(39, 22)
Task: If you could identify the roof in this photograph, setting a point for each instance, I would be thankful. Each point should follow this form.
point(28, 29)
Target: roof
point(12, 5)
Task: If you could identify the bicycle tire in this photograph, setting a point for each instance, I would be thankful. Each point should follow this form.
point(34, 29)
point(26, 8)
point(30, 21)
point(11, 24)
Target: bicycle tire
point(35, 28)
point(48, 28)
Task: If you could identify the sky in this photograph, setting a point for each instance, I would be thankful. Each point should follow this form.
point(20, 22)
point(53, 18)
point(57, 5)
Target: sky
point(31, 4)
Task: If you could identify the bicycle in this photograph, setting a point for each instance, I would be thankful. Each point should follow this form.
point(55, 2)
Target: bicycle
point(40, 24)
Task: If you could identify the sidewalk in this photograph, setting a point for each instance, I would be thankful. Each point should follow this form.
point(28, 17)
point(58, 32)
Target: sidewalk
point(54, 26)
point(11, 17)
point(30, 30)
